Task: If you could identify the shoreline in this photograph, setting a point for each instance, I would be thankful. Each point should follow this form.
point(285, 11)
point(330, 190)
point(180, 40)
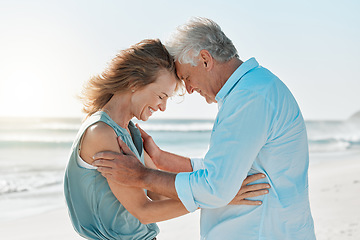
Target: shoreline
point(334, 188)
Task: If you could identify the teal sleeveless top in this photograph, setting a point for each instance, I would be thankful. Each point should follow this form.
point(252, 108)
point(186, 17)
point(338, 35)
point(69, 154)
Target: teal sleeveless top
point(94, 211)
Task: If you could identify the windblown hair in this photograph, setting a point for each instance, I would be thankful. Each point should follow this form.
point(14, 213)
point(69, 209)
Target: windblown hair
point(131, 69)
point(200, 33)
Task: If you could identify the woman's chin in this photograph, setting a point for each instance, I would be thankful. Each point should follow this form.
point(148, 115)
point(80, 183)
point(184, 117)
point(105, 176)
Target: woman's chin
point(144, 118)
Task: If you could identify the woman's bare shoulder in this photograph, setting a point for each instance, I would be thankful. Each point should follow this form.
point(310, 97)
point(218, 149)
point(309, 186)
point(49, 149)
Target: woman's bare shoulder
point(98, 137)
point(99, 130)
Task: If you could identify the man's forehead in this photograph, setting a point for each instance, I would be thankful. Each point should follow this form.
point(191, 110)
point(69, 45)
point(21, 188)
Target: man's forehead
point(179, 69)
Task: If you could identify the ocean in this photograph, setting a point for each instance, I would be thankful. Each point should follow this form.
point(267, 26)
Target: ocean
point(34, 153)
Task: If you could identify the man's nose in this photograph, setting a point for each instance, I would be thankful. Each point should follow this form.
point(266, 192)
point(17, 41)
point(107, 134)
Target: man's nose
point(189, 88)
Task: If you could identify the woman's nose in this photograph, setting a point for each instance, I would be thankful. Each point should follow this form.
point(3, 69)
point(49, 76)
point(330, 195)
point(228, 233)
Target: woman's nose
point(162, 106)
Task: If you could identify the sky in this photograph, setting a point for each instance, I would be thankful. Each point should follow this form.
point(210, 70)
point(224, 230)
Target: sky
point(48, 49)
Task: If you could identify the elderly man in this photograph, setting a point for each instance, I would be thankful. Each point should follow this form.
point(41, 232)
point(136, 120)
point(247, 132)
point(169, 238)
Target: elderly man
point(259, 129)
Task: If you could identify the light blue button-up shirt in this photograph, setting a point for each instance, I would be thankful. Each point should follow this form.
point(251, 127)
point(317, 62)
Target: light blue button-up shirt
point(259, 129)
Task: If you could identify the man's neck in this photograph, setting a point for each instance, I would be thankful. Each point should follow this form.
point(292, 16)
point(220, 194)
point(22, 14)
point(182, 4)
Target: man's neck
point(230, 67)
point(226, 69)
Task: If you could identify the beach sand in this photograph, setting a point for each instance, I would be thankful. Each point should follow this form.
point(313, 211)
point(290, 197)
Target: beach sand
point(334, 196)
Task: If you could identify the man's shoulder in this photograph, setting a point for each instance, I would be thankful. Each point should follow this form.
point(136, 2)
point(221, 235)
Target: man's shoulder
point(257, 80)
point(263, 83)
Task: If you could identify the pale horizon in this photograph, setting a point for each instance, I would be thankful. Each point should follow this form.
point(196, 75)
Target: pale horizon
point(49, 49)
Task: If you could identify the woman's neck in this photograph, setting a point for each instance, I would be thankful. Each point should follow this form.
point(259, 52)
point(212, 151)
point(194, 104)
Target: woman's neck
point(118, 108)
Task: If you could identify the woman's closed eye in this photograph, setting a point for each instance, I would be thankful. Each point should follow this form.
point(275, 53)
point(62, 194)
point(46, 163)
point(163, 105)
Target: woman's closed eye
point(164, 96)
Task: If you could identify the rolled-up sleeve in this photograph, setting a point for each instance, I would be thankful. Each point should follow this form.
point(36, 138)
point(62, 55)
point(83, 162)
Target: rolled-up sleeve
point(197, 163)
point(240, 131)
point(183, 188)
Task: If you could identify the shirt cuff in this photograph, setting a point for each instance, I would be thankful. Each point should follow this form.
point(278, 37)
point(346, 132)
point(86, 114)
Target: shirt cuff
point(183, 189)
point(197, 163)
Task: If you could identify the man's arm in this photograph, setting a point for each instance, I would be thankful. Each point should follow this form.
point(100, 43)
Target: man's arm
point(150, 164)
point(125, 169)
point(129, 171)
point(240, 134)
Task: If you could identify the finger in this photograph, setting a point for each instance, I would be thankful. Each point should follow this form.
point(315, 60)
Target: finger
point(253, 178)
point(108, 155)
point(255, 187)
point(143, 133)
point(254, 194)
point(104, 170)
point(248, 202)
point(103, 163)
point(124, 148)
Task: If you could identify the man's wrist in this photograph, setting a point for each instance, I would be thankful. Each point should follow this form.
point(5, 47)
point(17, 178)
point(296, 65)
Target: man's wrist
point(145, 178)
point(160, 182)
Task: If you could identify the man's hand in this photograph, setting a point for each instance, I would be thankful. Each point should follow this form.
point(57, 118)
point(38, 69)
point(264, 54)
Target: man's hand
point(249, 191)
point(124, 169)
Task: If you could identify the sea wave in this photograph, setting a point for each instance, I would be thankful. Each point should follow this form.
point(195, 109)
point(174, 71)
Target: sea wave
point(39, 140)
point(16, 181)
point(332, 145)
point(330, 136)
point(33, 141)
point(40, 123)
point(322, 135)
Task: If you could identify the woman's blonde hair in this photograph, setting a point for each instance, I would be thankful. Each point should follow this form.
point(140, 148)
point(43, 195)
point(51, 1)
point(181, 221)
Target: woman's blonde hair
point(131, 69)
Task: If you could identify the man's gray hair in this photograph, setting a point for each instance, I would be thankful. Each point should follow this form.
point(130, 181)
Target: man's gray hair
point(200, 33)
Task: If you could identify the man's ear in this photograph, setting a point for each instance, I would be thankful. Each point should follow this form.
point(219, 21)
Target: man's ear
point(206, 59)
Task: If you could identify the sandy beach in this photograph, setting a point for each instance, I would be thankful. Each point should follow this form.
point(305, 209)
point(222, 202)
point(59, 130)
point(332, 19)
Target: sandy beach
point(334, 195)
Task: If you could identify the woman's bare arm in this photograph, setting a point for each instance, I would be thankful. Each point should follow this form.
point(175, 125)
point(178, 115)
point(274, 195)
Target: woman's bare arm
point(163, 160)
point(150, 164)
point(101, 137)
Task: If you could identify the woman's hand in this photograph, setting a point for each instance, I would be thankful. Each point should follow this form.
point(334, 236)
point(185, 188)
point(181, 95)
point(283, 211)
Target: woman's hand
point(164, 160)
point(150, 146)
point(249, 191)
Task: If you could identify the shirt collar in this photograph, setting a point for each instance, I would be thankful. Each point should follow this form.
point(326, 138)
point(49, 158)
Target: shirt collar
point(235, 77)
